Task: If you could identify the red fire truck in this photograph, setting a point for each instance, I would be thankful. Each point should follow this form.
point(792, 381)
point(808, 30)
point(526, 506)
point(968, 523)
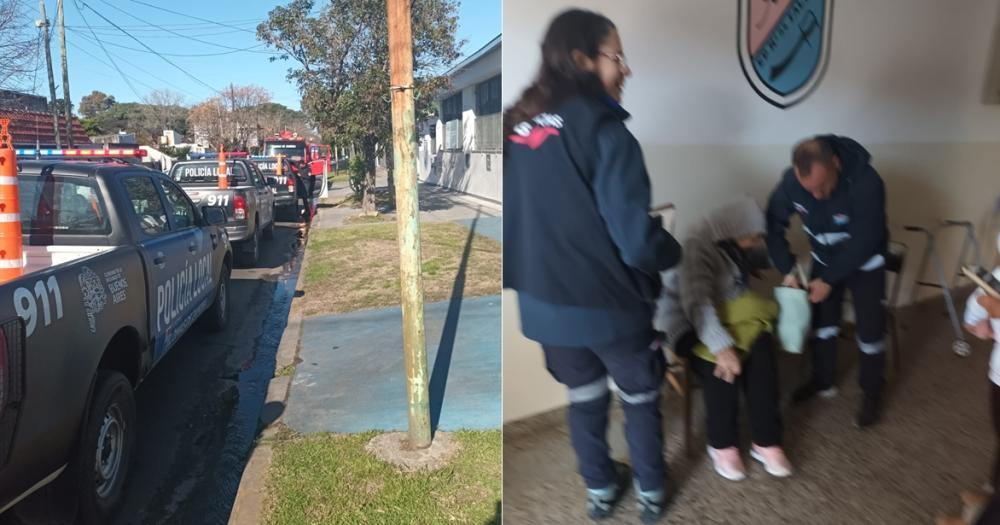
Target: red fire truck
point(297, 148)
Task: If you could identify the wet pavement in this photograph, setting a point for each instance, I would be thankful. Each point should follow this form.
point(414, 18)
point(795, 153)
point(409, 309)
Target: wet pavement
point(198, 409)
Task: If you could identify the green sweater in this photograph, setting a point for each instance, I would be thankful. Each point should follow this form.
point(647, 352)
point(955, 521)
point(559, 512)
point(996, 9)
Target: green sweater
point(745, 318)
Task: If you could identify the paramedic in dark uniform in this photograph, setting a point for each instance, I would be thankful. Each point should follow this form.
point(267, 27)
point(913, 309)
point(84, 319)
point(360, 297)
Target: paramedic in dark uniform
point(840, 199)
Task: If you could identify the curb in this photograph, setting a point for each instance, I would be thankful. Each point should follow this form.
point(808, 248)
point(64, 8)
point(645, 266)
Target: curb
point(248, 507)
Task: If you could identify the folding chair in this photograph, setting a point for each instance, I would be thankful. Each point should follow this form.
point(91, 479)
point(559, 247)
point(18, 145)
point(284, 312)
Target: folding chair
point(895, 261)
point(679, 374)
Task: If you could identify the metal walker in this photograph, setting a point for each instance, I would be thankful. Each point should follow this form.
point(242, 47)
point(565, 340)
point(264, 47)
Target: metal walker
point(960, 346)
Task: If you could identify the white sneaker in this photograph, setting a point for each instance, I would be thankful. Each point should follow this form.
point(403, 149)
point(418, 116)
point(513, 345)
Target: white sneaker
point(728, 463)
point(774, 460)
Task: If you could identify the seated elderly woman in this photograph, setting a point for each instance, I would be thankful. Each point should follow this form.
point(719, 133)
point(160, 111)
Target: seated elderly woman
point(711, 317)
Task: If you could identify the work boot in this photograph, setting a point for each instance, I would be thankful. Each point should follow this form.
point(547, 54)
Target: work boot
point(868, 415)
point(652, 504)
point(811, 389)
point(871, 378)
point(601, 503)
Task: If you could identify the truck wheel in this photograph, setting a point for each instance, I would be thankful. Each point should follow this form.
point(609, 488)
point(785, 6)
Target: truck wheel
point(216, 317)
point(251, 248)
point(105, 454)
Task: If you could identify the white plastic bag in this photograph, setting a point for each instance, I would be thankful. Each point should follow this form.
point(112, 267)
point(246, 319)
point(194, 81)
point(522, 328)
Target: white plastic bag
point(794, 317)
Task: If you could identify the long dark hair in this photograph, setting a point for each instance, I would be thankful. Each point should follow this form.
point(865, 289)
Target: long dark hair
point(559, 77)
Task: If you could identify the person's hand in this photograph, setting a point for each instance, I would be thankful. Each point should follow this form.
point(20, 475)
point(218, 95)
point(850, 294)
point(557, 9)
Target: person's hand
point(791, 281)
point(819, 290)
point(991, 305)
point(982, 329)
point(727, 365)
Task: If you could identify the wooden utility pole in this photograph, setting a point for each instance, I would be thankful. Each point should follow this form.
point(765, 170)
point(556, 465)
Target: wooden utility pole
point(61, 20)
point(408, 220)
point(44, 25)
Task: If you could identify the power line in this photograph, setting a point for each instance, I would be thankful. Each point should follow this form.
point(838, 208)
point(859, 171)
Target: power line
point(107, 54)
point(179, 88)
point(236, 23)
point(98, 59)
point(189, 37)
point(143, 44)
point(159, 35)
point(221, 53)
point(187, 15)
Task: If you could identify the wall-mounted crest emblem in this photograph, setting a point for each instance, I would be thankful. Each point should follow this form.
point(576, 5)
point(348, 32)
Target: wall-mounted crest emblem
point(784, 46)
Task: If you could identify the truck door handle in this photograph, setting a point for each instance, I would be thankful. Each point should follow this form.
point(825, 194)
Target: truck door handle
point(192, 247)
point(159, 259)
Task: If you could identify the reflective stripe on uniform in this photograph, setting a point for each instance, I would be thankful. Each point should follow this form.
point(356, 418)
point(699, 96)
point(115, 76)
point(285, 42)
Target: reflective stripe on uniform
point(640, 398)
point(589, 392)
point(828, 332)
point(828, 239)
point(876, 261)
point(872, 348)
point(817, 258)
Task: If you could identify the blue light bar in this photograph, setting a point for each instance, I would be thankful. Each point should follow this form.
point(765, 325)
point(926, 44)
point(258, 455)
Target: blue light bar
point(80, 152)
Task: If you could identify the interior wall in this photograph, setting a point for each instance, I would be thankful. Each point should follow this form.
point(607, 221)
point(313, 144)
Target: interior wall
point(915, 103)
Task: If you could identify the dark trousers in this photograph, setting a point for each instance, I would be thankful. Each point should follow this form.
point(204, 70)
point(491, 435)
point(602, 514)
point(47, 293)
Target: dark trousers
point(638, 371)
point(868, 295)
point(991, 514)
point(758, 380)
point(995, 403)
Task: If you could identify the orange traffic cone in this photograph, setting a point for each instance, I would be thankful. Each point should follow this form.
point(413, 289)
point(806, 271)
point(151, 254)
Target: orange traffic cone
point(11, 255)
point(223, 174)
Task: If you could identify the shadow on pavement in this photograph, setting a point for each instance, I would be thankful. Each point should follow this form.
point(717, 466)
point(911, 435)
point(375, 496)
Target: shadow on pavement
point(270, 413)
point(442, 363)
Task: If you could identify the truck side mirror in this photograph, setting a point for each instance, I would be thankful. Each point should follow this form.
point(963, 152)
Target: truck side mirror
point(272, 181)
point(214, 215)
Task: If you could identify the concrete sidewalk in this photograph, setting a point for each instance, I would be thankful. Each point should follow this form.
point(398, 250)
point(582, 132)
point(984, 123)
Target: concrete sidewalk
point(349, 373)
point(437, 204)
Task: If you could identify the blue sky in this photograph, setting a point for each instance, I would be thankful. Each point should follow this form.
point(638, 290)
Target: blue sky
point(90, 67)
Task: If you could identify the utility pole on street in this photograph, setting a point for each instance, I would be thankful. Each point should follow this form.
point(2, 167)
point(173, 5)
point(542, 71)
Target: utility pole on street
point(61, 20)
point(408, 220)
point(43, 23)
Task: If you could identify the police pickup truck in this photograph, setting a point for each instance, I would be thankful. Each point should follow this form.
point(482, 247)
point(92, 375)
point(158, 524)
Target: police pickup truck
point(118, 264)
point(248, 201)
point(284, 185)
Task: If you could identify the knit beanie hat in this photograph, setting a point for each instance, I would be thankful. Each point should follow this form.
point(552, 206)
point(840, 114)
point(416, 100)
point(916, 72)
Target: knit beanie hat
point(740, 217)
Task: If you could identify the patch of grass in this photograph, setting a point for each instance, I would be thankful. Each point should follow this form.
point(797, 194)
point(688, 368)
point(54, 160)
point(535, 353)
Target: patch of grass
point(284, 371)
point(357, 267)
point(353, 201)
point(331, 479)
point(361, 219)
point(338, 176)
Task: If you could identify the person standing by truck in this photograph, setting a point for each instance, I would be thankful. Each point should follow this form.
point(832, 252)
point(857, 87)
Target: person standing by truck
point(304, 189)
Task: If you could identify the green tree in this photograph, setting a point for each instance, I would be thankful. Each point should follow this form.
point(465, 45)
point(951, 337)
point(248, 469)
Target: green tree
point(342, 66)
point(94, 103)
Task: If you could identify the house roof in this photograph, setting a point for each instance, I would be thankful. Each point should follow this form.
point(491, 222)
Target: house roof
point(473, 58)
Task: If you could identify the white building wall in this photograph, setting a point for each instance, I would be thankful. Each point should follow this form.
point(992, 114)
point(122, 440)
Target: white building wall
point(468, 170)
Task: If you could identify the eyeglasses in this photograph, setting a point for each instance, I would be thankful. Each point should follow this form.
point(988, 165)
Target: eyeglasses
point(618, 58)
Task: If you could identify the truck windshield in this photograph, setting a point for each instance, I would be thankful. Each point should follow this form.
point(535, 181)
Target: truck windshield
point(62, 205)
point(197, 172)
point(293, 149)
